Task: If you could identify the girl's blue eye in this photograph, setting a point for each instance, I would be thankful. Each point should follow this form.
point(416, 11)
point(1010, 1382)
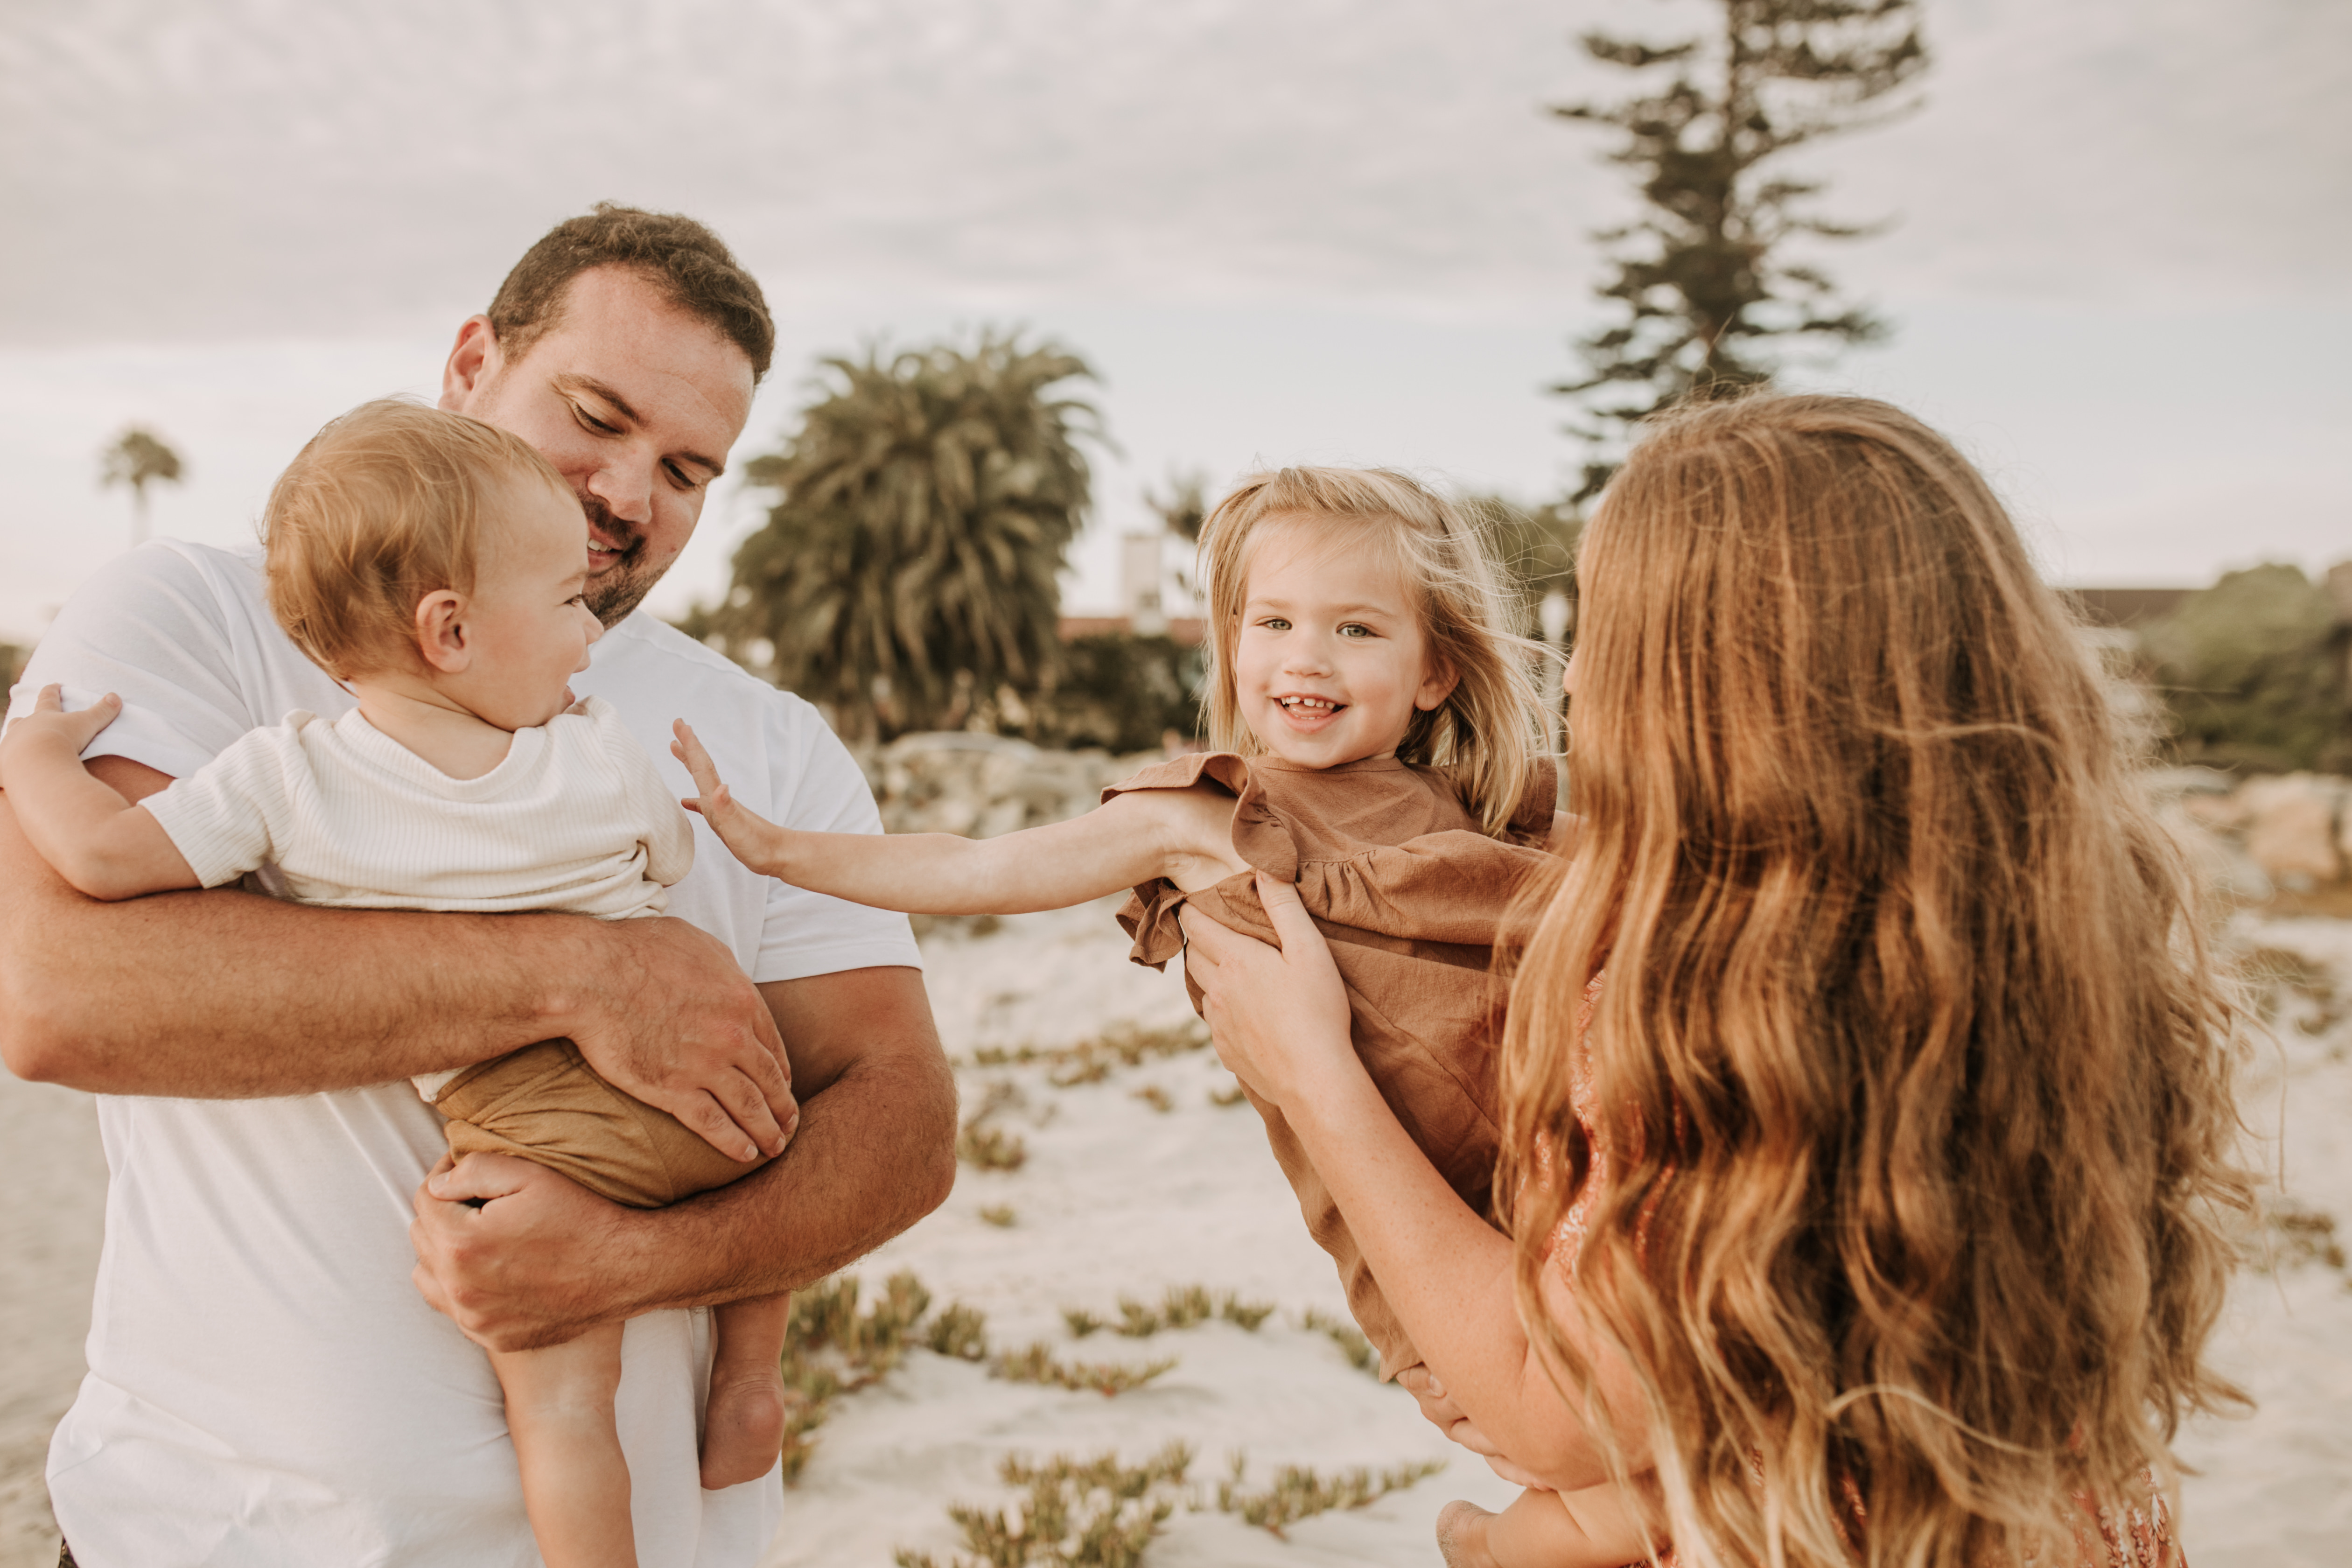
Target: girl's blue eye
point(1275, 624)
point(1356, 629)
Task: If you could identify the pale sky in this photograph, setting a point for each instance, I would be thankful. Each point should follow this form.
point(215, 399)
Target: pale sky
point(1280, 229)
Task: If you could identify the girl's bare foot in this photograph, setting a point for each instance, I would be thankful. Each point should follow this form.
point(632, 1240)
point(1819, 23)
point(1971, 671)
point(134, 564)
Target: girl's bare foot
point(1462, 1535)
point(743, 1426)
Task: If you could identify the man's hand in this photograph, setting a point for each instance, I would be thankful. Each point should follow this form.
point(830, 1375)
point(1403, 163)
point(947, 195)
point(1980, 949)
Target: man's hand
point(670, 1019)
point(515, 1255)
point(542, 1259)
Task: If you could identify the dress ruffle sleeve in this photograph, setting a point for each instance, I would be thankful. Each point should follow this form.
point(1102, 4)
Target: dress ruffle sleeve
point(1149, 913)
point(1438, 887)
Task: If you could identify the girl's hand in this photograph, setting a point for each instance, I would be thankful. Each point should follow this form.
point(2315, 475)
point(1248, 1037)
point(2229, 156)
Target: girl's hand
point(1280, 1015)
point(49, 718)
point(755, 841)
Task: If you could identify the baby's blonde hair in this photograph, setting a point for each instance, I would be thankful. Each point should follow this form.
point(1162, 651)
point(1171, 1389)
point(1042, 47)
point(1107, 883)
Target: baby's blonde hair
point(383, 507)
point(1492, 725)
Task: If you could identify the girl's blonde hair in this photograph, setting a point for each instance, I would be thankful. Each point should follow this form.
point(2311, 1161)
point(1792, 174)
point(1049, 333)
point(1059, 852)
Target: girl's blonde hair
point(384, 505)
point(1910, 1060)
point(1492, 726)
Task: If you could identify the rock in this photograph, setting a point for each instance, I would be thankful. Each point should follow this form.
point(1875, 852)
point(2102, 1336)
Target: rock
point(2290, 828)
point(981, 787)
point(2226, 871)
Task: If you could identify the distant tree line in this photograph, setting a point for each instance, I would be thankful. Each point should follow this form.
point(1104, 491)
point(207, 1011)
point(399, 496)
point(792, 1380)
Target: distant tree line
point(2256, 671)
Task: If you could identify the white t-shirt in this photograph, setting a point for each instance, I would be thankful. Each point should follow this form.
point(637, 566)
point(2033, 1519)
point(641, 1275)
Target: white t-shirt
point(266, 1386)
point(574, 819)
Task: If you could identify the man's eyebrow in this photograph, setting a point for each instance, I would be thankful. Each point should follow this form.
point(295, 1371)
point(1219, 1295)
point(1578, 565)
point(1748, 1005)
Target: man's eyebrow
point(572, 382)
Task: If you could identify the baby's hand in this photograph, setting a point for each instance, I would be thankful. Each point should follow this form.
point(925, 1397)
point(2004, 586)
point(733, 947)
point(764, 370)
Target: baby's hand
point(49, 718)
point(754, 840)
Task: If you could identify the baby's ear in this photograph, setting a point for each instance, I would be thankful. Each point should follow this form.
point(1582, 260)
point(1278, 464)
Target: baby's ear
point(1438, 680)
point(441, 632)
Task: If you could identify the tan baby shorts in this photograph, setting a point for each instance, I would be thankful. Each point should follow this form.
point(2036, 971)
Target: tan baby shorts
point(544, 1104)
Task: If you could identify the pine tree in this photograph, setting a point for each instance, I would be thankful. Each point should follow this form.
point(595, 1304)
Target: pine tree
point(1705, 297)
point(910, 570)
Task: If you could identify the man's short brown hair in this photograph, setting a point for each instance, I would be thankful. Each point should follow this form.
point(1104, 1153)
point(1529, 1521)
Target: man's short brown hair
point(385, 505)
point(682, 257)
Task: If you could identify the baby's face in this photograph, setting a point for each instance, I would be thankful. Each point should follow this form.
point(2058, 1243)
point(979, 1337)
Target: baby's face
point(527, 626)
point(1331, 664)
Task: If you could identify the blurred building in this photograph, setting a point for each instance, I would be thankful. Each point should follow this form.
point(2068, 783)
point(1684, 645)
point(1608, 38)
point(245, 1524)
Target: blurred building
point(1143, 599)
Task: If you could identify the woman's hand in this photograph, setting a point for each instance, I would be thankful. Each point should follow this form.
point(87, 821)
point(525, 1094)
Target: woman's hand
point(1438, 1408)
point(1280, 1015)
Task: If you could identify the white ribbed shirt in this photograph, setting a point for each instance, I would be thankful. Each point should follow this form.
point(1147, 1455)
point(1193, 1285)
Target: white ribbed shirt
point(340, 814)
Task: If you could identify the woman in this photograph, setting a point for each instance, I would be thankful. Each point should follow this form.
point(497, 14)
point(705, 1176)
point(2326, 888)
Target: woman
point(1868, 1079)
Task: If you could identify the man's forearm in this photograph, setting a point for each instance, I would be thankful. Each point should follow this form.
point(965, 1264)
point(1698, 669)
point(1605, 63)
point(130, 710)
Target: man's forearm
point(225, 995)
point(876, 1153)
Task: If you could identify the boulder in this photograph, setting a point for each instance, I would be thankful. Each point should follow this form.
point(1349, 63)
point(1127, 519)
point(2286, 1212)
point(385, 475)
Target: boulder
point(2290, 830)
point(982, 785)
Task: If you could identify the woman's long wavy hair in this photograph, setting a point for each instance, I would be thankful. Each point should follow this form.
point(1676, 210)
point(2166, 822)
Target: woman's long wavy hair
point(1491, 726)
point(1909, 1058)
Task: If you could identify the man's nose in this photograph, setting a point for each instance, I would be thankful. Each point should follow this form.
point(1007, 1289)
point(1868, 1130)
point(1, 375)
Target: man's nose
point(626, 487)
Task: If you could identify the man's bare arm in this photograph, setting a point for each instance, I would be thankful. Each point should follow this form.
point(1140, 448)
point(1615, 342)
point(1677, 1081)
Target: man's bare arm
point(544, 1258)
point(227, 994)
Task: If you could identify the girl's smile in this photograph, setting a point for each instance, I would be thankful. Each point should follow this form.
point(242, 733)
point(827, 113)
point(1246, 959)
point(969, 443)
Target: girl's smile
point(1330, 665)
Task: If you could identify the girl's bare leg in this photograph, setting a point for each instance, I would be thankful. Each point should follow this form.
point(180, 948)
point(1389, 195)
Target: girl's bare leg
point(1588, 1529)
point(743, 1424)
point(575, 1484)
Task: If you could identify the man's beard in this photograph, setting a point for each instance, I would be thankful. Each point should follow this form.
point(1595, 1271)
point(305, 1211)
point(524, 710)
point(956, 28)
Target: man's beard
point(613, 592)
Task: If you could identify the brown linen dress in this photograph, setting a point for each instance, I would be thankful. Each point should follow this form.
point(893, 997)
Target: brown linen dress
point(1411, 895)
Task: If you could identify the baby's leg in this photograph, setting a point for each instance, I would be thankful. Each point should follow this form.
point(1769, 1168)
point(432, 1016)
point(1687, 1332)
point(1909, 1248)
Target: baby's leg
point(575, 1484)
point(743, 1425)
point(1588, 1529)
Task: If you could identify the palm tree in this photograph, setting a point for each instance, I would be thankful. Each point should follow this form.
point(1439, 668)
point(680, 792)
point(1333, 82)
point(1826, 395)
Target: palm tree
point(909, 571)
point(137, 457)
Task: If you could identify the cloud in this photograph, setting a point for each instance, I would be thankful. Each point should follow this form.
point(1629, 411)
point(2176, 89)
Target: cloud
point(257, 166)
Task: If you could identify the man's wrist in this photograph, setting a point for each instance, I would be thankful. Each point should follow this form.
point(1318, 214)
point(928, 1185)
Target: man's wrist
point(574, 997)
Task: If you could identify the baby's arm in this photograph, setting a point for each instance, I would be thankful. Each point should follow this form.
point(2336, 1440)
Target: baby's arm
point(98, 841)
point(1183, 834)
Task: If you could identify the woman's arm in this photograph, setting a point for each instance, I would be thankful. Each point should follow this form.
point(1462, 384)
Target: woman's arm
point(101, 843)
point(1137, 836)
point(1280, 1021)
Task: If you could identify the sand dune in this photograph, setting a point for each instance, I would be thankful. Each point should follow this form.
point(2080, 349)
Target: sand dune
point(1117, 1197)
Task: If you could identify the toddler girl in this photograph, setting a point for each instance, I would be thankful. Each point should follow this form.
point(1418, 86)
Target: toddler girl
point(1378, 731)
point(435, 566)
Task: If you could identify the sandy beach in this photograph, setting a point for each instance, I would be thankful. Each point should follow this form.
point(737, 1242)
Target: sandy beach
point(1139, 1182)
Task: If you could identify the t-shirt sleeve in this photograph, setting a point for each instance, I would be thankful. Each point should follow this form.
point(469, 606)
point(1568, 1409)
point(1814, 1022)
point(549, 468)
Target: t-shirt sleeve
point(667, 835)
point(229, 815)
point(806, 933)
point(149, 626)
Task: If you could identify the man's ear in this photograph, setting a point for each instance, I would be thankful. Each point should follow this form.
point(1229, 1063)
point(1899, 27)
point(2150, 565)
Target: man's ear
point(473, 362)
point(441, 639)
point(1437, 683)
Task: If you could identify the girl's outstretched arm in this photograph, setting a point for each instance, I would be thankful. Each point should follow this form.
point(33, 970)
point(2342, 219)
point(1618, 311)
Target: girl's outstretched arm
point(1183, 834)
point(99, 842)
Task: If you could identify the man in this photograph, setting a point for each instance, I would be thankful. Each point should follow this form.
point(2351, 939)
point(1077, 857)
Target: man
point(266, 1384)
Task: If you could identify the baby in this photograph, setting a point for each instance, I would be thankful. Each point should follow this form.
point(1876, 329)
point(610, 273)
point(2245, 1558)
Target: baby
point(1379, 733)
point(434, 566)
